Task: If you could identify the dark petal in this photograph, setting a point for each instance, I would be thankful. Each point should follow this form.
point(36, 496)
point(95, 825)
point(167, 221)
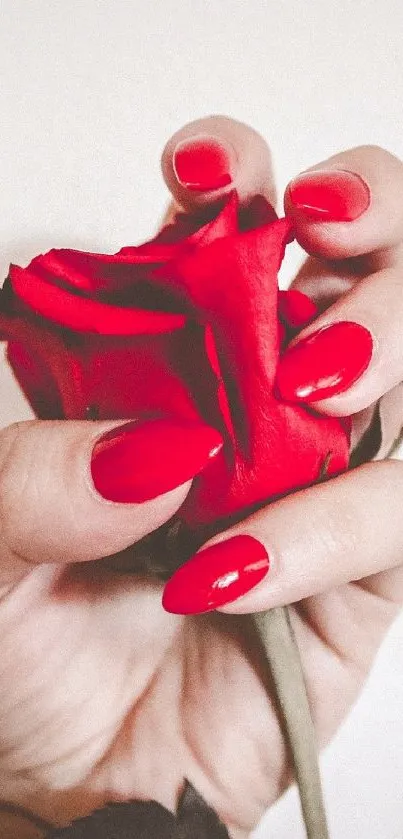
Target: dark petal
point(257, 213)
point(35, 380)
point(83, 314)
point(370, 442)
point(131, 820)
point(196, 820)
point(148, 820)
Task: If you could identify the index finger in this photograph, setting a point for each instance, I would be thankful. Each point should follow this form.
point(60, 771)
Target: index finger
point(207, 158)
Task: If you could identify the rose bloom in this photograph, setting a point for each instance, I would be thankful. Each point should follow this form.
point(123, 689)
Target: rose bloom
point(190, 326)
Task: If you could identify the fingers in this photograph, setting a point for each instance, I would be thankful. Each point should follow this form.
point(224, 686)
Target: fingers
point(313, 541)
point(209, 157)
point(77, 491)
point(348, 205)
point(349, 213)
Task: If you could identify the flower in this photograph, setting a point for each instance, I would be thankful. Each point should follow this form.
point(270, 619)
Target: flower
point(187, 325)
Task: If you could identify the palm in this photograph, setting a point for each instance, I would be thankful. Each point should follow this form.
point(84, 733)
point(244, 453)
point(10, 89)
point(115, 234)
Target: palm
point(104, 695)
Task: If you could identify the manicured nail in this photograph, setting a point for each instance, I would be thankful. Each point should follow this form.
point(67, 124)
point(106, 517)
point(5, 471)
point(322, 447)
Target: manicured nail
point(327, 362)
point(216, 576)
point(204, 163)
point(141, 460)
point(330, 195)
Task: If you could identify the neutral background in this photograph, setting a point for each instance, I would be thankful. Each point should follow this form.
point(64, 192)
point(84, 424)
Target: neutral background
point(90, 91)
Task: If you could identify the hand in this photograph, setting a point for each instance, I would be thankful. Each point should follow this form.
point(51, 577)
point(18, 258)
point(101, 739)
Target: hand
point(103, 695)
point(335, 549)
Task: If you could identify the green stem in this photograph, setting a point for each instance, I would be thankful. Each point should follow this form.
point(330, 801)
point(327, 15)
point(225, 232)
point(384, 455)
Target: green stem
point(278, 638)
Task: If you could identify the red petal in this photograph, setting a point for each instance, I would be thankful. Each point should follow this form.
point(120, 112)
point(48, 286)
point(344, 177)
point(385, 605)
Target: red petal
point(287, 454)
point(214, 392)
point(92, 273)
point(139, 378)
point(95, 273)
point(232, 284)
point(47, 369)
point(295, 308)
point(4, 334)
point(191, 230)
point(84, 315)
point(118, 378)
point(5, 319)
point(282, 333)
point(35, 379)
point(221, 366)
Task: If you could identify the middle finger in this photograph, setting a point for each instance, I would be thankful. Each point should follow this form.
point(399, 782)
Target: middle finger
point(352, 354)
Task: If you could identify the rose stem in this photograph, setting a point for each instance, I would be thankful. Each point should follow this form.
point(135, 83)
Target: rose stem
point(278, 639)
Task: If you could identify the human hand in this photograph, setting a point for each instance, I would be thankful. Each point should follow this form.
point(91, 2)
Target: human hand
point(84, 649)
point(129, 720)
point(332, 536)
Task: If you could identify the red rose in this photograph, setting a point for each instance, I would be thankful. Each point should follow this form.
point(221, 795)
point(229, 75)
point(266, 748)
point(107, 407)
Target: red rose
point(188, 325)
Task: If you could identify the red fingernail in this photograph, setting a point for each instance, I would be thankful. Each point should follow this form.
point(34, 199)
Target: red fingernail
point(216, 576)
point(141, 460)
point(330, 195)
point(204, 163)
point(327, 362)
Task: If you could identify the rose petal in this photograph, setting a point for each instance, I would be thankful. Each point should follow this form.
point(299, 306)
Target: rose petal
point(34, 377)
point(217, 363)
point(257, 213)
point(84, 315)
point(232, 284)
point(3, 329)
point(94, 273)
point(295, 308)
point(46, 367)
point(287, 452)
point(139, 378)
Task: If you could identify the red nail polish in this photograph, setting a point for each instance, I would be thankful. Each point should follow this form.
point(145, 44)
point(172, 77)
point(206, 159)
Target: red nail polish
point(333, 195)
point(216, 576)
point(141, 460)
point(204, 163)
point(325, 363)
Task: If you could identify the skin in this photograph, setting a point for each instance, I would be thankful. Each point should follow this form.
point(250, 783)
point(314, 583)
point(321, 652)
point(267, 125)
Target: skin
point(105, 696)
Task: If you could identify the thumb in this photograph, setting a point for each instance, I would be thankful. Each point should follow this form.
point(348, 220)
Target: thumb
point(78, 491)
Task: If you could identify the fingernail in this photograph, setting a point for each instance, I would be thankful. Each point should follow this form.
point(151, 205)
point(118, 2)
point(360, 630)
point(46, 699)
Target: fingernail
point(141, 460)
point(204, 162)
point(216, 576)
point(325, 363)
point(330, 195)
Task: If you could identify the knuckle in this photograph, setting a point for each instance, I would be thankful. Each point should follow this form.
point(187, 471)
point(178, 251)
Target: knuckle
point(376, 161)
point(373, 152)
point(392, 473)
point(380, 487)
point(372, 149)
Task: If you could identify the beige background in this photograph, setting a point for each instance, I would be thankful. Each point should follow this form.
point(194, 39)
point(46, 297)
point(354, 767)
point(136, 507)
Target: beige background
point(89, 92)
